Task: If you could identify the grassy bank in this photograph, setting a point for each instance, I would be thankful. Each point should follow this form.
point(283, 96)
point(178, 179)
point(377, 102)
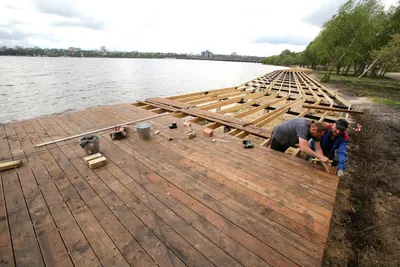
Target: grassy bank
point(381, 90)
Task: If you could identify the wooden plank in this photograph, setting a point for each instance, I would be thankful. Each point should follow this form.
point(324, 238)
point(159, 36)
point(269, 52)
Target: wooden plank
point(159, 227)
point(217, 98)
point(98, 162)
point(196, 259)
point(24, 239)
point(261, 107)
point(333, 109)
point(73, 238)
point(222, 90)
point(257, 101)
point(51, 244)
point(178, 164)
point(171, 103)
point(6, 249)
point(10, 165)
point(139, 159)
point(130, 172)
point(5, 151)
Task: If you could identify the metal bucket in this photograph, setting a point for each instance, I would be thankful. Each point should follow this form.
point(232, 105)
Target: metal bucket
point(143, 130)
point(91, 144)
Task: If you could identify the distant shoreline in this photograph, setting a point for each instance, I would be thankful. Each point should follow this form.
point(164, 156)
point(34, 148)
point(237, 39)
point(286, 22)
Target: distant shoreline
point(187, 58)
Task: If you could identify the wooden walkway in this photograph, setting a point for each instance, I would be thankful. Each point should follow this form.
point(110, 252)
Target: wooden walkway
point(253, 108)
point(158, 202)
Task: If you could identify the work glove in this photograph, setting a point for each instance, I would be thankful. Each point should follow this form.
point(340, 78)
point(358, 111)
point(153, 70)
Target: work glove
point(340, 173)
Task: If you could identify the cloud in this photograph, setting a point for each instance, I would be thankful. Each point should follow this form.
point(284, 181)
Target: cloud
point(323, 12)
point(13, 7)
point(82, 23)
point(63, 8)
point(12, 34)
point(287, 39)
point(67, 9)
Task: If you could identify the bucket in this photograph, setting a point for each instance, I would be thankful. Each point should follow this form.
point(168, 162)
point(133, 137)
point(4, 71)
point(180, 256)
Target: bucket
point(91, 144)
point(143, 130)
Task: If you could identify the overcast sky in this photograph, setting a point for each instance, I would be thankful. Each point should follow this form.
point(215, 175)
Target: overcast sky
point(252, 27)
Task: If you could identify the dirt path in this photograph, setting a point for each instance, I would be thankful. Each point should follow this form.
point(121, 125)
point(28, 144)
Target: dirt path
point(365, 226)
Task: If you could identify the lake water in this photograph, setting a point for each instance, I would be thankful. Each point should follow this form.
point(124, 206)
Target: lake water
point(33, 87)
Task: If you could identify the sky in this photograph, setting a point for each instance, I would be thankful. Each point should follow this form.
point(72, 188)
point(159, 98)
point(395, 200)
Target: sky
point(252, 27)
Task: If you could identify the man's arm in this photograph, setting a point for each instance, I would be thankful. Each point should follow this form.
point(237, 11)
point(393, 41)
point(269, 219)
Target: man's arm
point(304, 147)
point(341, 154)
point(319, 151)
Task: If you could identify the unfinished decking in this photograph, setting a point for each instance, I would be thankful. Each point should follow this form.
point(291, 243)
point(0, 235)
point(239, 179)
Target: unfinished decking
point(158, 202)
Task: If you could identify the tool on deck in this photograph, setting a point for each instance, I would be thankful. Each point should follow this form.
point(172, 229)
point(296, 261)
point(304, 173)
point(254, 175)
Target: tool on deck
point(334, 162)
point(189, 132)
point(100, 130)
point(90, 143)
point(173, 125)
point(247, 144)
point(219, 140)
point(119, 132)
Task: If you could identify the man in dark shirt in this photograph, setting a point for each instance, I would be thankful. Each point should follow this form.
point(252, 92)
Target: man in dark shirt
point(297, 132)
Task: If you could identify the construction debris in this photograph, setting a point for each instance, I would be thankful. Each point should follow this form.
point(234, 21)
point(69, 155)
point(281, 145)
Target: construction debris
point(95, 161)
point(208, 132)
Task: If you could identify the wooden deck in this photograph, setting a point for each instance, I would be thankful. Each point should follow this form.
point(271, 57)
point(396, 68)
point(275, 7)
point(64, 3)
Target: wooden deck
point(158, 202)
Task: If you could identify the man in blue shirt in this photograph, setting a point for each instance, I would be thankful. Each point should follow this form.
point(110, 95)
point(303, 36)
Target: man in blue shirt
point(334, 144)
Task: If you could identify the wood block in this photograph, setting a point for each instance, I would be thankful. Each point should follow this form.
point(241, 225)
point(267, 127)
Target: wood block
point(10, 165)
point(191, 135)
point(91, 157)
point(96, 163)
point(208, 132)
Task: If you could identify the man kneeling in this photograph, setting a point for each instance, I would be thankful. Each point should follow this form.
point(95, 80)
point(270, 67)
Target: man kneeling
point(297, 132)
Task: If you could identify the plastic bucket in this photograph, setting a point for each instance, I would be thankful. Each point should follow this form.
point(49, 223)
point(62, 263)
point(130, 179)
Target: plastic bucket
point(91, 144)
point(143, 130)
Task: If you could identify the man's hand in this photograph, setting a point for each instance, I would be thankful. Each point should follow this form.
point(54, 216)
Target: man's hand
point(323, 159)
point(326, 167)
point(340, 173)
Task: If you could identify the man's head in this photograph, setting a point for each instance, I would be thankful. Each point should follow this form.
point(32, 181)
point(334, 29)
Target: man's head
point(318, 129)
point(339, 127)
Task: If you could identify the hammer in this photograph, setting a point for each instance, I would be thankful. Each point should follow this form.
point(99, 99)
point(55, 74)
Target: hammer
point(219, 140)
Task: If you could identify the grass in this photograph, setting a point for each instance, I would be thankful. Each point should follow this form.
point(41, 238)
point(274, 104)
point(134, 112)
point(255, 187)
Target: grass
point(381, 89)
point(386, 101)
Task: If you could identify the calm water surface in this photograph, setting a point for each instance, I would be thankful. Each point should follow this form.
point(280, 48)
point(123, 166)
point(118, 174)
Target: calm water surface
point(33, 87)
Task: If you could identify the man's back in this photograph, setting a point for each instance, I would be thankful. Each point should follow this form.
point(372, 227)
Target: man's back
point(289, 132)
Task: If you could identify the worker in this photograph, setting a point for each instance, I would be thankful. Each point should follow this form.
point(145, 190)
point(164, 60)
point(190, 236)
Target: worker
point(297, 132)
point(334, 144)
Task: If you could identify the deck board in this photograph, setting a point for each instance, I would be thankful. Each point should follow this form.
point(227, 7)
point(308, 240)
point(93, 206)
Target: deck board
point(167, 203)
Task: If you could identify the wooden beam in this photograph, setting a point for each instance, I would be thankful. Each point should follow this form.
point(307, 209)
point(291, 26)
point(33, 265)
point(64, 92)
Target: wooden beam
point(263, 106)
point(200, 93)
point(257, 101)
point(10, 165)
point(333, 109)
point(232, 101)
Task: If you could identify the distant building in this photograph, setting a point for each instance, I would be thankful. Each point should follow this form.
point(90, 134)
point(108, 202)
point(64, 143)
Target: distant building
point(233, 54)
point(74, 49)
point(206, 54)
point(103, 49)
